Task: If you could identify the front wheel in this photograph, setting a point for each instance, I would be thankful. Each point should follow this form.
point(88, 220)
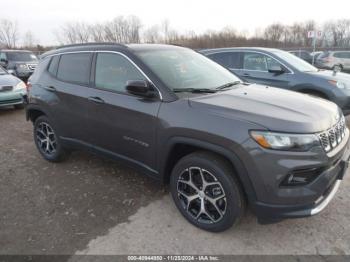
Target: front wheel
point(206, 191)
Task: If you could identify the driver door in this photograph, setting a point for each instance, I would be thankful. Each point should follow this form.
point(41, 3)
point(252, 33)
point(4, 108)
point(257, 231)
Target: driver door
point(121, 124)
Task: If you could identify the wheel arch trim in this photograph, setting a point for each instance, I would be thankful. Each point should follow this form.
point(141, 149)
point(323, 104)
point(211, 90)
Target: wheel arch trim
point(232, 157)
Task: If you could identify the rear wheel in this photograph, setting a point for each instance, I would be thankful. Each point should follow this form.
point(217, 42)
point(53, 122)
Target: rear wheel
point(206, 192)
point(47, 140)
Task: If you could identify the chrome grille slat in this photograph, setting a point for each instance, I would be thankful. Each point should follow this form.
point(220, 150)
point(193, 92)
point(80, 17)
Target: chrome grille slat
point(332, 137)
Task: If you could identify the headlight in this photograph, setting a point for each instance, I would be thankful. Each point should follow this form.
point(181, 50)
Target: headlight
point(282, 141)
point(338, 84)
point(20, 85)
point(22, 66)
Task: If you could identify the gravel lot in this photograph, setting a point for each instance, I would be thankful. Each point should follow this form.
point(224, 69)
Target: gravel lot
point(90, 205)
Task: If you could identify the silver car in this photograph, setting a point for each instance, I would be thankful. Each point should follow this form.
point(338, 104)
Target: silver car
point(339, 60)
point(12, 90)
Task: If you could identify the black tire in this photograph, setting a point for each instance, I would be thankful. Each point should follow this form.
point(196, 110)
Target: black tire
point(55, 151)
point(232, 205)
point(20, 106)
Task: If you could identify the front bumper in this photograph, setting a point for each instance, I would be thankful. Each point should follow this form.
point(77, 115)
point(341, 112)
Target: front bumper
point(12, 98)
point(275, 202)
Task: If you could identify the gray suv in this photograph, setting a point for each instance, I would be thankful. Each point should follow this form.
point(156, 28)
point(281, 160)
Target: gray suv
point(20, 63)
point(179, 117)
point(277, 68)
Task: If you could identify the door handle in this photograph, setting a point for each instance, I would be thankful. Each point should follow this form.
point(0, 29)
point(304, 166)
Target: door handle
point(50, 88)
point(246, 74)
point(97, 100)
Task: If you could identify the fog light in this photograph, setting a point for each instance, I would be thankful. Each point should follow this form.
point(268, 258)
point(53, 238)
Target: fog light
point(301, 177)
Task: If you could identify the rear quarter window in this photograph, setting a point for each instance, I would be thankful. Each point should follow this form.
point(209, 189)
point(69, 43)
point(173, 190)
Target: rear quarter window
point(227, 59)
point(53, 66)
point(75, 68)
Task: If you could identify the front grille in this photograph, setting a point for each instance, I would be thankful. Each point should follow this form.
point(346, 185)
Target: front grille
point(332, 137)
point(5, 88)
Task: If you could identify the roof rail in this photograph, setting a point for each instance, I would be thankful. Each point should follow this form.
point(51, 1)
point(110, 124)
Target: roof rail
point(92, 43)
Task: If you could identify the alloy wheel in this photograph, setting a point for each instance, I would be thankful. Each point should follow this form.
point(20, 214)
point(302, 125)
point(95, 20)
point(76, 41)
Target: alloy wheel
point(201, 195)
point(46, 138)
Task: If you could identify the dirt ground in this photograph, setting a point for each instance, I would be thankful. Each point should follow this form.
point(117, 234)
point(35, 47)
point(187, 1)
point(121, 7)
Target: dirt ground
point(90, 205)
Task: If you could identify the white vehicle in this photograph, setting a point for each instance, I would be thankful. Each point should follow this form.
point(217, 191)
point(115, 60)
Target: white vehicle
point(336, 60)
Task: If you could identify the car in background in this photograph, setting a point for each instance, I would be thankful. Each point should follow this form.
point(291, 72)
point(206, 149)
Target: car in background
point(316, 54)
point(274, 67)
point(305, 55)
point(12, 90)
point(20, 63)
point(336, 60)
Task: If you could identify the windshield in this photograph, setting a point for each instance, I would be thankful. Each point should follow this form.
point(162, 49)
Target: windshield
point(186, 69)
point(296, 62)
point(21, 56)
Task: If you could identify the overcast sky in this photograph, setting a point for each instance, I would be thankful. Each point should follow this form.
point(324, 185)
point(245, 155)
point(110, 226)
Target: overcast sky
point(43, 17)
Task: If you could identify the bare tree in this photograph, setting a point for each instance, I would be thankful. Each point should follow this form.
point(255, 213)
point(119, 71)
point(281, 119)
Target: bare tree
point(74, 33)
point(152, 34)
point(123, 30)
point(29, 40)
point(8, 33)
point(274, 32)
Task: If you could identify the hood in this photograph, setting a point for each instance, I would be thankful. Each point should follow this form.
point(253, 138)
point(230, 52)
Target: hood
point(8, 80)
point(329, 75)
point(273, 108)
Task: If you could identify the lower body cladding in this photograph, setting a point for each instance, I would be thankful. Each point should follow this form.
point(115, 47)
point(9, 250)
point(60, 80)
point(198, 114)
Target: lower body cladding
point(11, 98)
point(295, 184)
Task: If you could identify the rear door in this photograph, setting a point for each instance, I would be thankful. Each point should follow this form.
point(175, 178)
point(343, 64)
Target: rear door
point(255, 69)
point(68, 87)
point(121, 123)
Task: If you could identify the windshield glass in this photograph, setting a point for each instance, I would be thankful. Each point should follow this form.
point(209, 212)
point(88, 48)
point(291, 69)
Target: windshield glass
point(186, 69)
point(2, 71)
point(21, 56)
point(296, 62)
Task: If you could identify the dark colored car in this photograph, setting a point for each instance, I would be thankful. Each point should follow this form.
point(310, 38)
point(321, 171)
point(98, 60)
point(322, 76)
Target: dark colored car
point(277, 68)
point(305, 55)
point(183, 119)
point(20, 63)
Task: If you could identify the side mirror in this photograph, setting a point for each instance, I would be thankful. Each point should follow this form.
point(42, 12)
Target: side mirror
point(140, 88)
point(278, 70)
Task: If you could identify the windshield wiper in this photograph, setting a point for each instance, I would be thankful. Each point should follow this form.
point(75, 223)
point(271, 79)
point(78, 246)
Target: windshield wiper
point(227, 85)
point(194, 90)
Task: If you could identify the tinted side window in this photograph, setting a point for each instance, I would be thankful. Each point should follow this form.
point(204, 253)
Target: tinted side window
point(227, 59)
point(254, 61)
point(75, 68)
point(113, 71)
point(53, 65)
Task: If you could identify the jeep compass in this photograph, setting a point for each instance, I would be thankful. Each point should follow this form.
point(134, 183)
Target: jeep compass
point(183, 119)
